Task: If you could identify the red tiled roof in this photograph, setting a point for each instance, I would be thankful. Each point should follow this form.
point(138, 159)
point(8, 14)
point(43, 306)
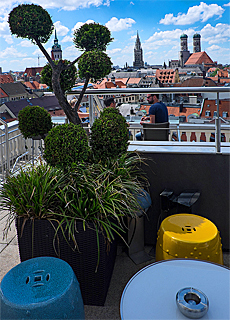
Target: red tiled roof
point(3, 94)
point(6, 78)
point(185, 112)
point(31, 72)
point(35, 85)
point(134, 80)
point(224, 105)
point(199, 58)
point(198, 82)
point(166, 75)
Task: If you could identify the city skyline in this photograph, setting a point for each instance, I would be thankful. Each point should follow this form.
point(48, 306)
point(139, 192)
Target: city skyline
point(159, 24)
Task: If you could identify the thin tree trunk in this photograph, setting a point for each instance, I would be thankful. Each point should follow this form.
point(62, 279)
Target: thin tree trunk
point(56, 71)
point(77, 105)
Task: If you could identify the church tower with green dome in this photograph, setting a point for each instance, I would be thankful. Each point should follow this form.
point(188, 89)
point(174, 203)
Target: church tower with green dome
point(184, 53)
point(196, 43)
point(56, 52)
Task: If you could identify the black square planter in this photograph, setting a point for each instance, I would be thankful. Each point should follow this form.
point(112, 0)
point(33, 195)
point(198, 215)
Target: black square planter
point(37, 238)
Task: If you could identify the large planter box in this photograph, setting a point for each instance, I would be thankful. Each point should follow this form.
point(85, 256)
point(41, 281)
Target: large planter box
point(36, 238)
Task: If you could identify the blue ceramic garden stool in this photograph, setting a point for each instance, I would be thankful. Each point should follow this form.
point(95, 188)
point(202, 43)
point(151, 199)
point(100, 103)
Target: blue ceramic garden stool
point(41, 288)
point(136, 250)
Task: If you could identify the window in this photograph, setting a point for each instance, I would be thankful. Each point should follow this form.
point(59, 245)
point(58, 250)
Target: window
point(225, 114)
point(215, 114)
point(207, 113)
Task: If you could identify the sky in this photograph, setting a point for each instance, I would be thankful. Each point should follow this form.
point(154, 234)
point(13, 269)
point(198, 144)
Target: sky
point(159, 24)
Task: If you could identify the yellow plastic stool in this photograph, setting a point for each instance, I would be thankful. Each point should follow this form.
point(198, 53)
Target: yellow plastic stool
point(188, 236)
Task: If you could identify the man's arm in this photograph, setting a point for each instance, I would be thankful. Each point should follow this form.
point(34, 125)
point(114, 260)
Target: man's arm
point(151, 117)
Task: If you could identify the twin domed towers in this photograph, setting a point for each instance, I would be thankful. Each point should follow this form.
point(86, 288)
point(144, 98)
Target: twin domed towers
point(184, 53)
point(196, 42)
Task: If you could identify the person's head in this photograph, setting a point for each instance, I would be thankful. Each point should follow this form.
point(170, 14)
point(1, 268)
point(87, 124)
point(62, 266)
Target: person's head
point(153, 98)
point(109, 102)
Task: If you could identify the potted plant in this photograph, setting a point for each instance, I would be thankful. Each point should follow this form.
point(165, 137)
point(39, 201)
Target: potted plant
point(34, 122)
point(74, 209)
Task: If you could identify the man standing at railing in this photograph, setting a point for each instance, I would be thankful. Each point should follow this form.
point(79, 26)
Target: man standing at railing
point(158, 112)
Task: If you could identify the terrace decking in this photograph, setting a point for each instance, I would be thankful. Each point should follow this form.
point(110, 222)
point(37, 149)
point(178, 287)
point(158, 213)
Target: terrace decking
point(124, 269)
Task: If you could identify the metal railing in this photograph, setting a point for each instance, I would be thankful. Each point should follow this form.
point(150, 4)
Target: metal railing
point(14, 148)
point(183, 90)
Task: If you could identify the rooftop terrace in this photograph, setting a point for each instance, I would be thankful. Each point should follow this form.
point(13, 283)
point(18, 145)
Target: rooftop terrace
point(202, 166)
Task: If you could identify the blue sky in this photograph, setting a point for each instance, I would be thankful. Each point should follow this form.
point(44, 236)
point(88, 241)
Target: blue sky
point(159, 23)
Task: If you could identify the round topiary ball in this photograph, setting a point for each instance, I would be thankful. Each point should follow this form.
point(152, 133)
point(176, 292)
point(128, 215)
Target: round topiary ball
point(34, 121)
point(94, 65)
point(66, 144)
point(109, 135)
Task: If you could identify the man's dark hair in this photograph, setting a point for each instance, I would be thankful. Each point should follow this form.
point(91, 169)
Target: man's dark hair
point(108, 101)
point(155, 94)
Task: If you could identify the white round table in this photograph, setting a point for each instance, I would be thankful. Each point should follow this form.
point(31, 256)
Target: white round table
point(151, 292)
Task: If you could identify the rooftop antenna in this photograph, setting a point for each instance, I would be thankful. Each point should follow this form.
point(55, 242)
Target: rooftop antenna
point(38, 60)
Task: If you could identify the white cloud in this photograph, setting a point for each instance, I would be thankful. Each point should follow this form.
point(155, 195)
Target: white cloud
point(203, 12)
point(71, 53)
point(117, 25)
point(217, 34)
point(113, 51)
point(67, 39)
point(132, 3)
point(61, 30)
point(70, 5)
point(26, 43)
point(79, 24)
point(8, 38)
point(11, 52)
point(226, 5)
point(214, 47)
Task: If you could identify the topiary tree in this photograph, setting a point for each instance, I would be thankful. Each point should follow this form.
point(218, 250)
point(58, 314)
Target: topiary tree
point(34, 121)
point(67, 76)
point(99, 37)
point(65, 145)
point(34, 23)
point(109, 135)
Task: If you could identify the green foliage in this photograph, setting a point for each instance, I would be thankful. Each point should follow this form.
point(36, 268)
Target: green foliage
point(94, 64)
point(214, 73)
point(92, 36)
point(103, 194)
point(34, 121)
point(67, 76)
point(33, 193)
point(93, 192)
point(31, 21)
point(66, 144)
point(109, 135)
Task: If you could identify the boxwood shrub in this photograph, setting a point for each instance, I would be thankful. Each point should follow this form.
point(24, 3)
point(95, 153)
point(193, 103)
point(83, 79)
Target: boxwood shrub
point(109, 135)
point(65, 145)
point(34, 121)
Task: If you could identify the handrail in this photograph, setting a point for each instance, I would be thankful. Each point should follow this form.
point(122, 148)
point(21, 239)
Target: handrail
point(216, 90)
point(153, 90)
point(7, 146)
